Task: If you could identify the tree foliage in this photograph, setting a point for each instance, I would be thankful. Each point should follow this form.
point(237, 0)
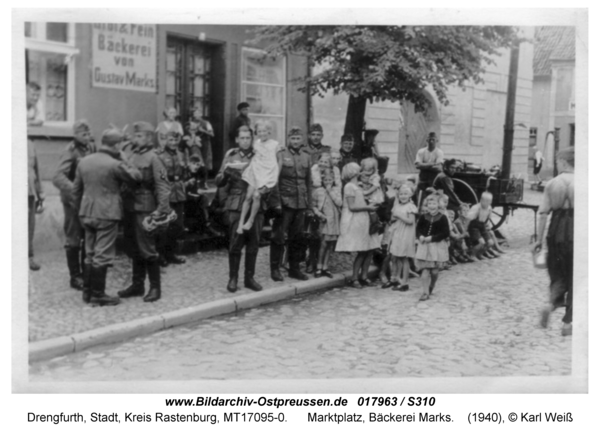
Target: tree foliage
point(389, 62)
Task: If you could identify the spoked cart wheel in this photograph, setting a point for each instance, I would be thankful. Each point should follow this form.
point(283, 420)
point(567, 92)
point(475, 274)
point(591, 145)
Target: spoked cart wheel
point(465, 193)
point(498, 216)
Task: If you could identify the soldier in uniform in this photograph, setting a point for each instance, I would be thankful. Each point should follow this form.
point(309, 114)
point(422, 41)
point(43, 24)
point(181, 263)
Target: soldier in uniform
point(148, 197)
point(80, 147)
point(314, 146)
point(347, 151)
point(97, 194)
point(242, 119)
point(315, 149)
point(176, 167)
point(229, 180)
point(295, 192)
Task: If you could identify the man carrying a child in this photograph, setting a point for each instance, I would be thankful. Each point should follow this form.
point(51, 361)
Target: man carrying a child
point(229, 179)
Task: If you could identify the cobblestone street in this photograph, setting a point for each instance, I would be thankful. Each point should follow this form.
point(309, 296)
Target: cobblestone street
point(482, 320)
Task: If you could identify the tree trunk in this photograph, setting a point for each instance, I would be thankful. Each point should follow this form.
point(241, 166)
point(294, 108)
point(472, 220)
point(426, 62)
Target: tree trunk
point(355, 119)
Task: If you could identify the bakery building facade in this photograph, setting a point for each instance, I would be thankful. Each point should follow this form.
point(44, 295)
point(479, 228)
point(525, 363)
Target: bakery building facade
point(122, 73)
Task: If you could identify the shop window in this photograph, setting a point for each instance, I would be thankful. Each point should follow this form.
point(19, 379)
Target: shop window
point(49, 49)
point(263, 87)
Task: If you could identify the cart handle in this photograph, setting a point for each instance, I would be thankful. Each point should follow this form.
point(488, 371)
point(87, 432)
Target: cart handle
point(487, 183)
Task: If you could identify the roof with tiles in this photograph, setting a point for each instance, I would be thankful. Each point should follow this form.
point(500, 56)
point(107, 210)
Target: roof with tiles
point(552, 43)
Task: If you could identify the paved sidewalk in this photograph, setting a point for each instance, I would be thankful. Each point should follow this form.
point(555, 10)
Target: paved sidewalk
point(57, 310)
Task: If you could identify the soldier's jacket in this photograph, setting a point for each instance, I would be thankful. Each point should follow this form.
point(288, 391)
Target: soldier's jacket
point(176, 168)
point(67, 166)
point(294, 178)
point(315, 152)
point(230, 180)
point(151, 193)
point(97, 186)
point(347, 158)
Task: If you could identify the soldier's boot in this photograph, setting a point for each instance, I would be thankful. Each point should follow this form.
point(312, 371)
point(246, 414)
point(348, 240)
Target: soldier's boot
point(276, 254)
point(73, 264)
point(313, 258)
point(234, 268)
point(249, 269)
point(98, 287)
point(87, 280)
point(137, 280)
point(296, 273)
point(153, 268)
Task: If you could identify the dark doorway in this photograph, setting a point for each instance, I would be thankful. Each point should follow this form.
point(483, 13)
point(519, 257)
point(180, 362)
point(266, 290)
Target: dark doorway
point(195, 78)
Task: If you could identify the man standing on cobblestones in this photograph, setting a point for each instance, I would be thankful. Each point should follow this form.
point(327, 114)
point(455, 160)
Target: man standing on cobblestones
point(175, 166)
point(80, 147)
point(230, 178)
point(295, 192)
point(559, 200)
point(97, 195)
point(149, 197)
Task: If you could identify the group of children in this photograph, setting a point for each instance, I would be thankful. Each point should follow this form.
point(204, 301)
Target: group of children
point(434, 238)
point(356, 215)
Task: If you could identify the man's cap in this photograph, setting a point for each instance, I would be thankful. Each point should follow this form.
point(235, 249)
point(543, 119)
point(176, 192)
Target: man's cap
point(295, 130)
point(242, 105)
point(143, 127)
point(112, 136)
point(432, 135)
point(81, 125)
point(371, 132)
point(315, 127)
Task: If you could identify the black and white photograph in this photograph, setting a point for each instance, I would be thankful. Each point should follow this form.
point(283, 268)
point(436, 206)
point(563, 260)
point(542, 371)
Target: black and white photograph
point(300, 203)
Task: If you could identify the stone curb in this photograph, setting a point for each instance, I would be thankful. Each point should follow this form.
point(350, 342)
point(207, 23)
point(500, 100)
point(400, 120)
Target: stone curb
point(59, 346)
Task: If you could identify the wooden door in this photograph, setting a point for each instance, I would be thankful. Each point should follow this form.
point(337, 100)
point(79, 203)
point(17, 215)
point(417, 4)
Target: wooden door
point(414, 129)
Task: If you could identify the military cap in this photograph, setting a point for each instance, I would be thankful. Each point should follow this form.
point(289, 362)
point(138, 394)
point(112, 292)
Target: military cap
point(81, 125)
point(295, 130)
point(111, 137)
point(315, 127)
point(143, 127)
point(242, 105)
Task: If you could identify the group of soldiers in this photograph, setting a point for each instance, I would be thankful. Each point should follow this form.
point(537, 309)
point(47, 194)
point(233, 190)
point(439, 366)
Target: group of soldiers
point(101, 187)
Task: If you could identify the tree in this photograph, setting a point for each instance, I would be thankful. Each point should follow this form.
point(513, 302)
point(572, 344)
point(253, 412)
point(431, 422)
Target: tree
point(394, 63)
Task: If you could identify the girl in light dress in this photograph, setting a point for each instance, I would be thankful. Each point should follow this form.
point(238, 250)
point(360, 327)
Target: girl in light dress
point(354, 227)
point(167, 125)
point(403, 238)
point(327, 201)
point(261, 175)
point(432, 248)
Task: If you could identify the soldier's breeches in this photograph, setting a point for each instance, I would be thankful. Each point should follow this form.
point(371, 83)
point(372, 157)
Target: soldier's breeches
point(100, 241)
point(250, 239)
point(72, 227)
point(141, 243)
point(288, 228)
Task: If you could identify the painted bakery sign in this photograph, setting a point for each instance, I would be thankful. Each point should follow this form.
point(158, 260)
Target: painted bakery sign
point(124, 56)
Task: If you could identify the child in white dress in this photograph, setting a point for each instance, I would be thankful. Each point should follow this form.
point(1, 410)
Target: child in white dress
point(261, 175)
point(403, 238)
